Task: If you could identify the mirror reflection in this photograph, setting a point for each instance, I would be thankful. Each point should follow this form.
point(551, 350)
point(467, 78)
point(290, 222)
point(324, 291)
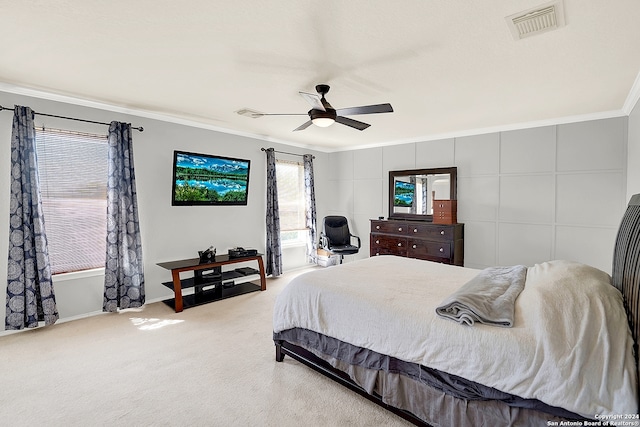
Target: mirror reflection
point(412, 192)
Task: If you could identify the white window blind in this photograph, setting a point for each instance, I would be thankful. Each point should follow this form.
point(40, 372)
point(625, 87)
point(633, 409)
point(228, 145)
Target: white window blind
point(73, 183)
point(291, 202)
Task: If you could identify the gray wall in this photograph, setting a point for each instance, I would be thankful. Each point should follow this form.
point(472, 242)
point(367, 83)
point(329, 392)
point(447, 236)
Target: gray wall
point(525, 196)
point(168, 233)
point(633, 153)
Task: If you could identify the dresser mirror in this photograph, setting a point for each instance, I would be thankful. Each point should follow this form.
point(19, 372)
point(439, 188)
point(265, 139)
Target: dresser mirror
point(411, 192)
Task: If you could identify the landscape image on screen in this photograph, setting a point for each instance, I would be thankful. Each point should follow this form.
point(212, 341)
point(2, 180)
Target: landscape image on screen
point(204, 179)
point(403, 195)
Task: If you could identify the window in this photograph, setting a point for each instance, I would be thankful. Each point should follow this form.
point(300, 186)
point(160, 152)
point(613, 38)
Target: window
point(291, 202)
point(73, 184)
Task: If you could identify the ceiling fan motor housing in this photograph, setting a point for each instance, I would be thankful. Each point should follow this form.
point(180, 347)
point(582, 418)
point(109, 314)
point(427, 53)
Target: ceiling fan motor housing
point(330, 113)
point(322, 89)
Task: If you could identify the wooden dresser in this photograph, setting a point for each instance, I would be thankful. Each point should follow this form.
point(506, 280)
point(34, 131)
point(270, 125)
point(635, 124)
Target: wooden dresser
point(416, 239)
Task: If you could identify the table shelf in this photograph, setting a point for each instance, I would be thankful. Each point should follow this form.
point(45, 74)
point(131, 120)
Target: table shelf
point(209, 282)
point(217, 293)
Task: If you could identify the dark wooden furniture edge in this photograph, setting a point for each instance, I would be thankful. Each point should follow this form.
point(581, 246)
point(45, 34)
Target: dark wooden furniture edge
point(193, 264)
point(625, 275)
point(211, 295)
point(311, 360)
point(453, 189)
point(380, 229)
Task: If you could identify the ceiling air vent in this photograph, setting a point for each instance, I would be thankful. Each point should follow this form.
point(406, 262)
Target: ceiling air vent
point(546, 17)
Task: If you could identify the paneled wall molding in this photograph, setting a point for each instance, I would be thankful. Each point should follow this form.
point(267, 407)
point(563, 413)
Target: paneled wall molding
point(525, 195)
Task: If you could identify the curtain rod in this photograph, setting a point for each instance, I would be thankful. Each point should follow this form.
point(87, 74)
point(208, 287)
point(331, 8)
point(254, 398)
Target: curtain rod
point(71, 118)
point(284, 152)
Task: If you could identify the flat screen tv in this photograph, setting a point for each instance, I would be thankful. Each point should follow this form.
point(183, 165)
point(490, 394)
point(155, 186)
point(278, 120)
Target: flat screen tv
point(203, 179)
point(403, 194)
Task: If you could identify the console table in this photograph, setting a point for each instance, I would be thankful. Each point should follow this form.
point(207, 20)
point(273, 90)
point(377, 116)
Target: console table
point(215, 278)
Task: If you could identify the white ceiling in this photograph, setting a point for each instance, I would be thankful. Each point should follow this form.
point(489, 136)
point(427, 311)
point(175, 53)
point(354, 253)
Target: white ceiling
point(448, 67)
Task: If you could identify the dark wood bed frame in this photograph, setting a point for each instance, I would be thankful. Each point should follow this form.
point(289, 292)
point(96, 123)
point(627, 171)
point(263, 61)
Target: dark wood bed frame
point(625, 277)
point(301, 355)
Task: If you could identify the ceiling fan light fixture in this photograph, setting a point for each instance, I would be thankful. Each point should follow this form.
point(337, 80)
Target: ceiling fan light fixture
point(323, 119)
point(323, 122)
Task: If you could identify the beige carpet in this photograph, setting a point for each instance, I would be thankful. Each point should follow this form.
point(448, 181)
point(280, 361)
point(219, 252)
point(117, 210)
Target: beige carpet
point(211, 365)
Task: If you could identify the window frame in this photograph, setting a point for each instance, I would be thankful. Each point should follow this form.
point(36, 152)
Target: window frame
point(303, 232)
point(71, 267)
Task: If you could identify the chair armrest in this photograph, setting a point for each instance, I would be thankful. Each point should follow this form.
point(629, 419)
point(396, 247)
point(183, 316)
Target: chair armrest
point(324, 241)
point(359, 244)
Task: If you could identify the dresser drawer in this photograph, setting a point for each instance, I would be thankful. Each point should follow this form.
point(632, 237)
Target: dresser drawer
point(419, 248)
point(386, 251)
point(386, 244)
point(387, 241)
point(392, 227)
point(431, 231)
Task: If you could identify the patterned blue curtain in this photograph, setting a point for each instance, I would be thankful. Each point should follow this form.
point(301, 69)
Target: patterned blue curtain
point(124, 275)
point(310, 196)
point(273, 246)
point(30, 296)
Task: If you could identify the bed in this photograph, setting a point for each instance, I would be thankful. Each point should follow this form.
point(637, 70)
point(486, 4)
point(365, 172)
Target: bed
point(570, 354)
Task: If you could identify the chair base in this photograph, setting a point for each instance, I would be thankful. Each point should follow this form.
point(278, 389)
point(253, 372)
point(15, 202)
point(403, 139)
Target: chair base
point(342, 254)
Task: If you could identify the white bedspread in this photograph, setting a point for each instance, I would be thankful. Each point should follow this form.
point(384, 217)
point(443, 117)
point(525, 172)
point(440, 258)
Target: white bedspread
point(570, 345)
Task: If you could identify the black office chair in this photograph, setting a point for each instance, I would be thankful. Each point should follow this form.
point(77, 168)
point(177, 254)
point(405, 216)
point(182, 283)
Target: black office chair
point(336, 237)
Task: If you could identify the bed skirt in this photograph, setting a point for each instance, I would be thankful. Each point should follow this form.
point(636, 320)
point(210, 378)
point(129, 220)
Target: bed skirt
point(434, 398)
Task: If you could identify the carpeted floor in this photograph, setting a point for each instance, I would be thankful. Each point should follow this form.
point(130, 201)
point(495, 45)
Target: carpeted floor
point(211, 365)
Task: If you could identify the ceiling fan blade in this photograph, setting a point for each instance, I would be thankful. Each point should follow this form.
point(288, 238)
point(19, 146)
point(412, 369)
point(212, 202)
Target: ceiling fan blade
point(314, 100)
point(303, 126)
point(255, 114)
point(365, 109)
point(284, 114)
point(352, 123)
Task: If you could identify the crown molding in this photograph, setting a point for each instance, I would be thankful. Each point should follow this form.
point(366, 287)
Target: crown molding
point(631, 101)
point(498, 128)
point(633, 97)
point(148, 114)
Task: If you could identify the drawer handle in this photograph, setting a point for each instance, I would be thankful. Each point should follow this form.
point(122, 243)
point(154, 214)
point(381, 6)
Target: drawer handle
point(415, 230)
point(442, 232)
point(414, 246)
point(377, 242)
point(399, 228)
point(377, 227)
point(441, 249)
point(377, 253)
point(399, 245)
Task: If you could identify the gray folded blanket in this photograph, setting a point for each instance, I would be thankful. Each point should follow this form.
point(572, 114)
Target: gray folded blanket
point(488, 298)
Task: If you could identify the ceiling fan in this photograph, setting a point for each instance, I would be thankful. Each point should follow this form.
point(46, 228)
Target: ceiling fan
point(322, 114)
